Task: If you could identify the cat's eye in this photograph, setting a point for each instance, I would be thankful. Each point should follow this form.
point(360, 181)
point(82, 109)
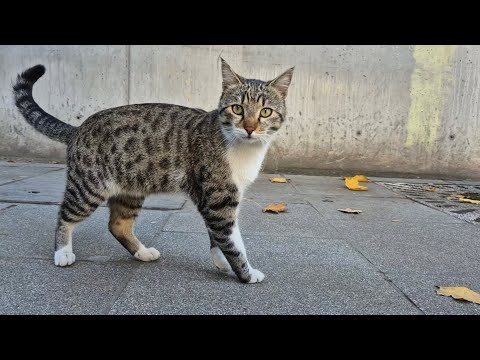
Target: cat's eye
point(237, 109)
point(265, 112)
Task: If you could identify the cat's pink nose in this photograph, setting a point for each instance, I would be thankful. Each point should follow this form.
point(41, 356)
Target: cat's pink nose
point(249, 130)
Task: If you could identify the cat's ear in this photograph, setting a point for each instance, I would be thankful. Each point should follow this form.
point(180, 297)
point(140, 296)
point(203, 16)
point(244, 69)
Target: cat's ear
point(282, 82)
point(230, 79)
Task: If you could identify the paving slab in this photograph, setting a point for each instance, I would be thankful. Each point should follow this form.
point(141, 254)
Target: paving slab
point(380, 209)
point(439, 248)
point(35, 286)
point(48, 188)
point(303, 276)
point(326, 185)
point(33, 237)
point(300, 220)
point(15, 173)
point(421, 289)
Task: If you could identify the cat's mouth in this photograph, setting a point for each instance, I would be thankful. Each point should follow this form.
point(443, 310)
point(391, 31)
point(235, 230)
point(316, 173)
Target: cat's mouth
point(243, 137)
point(252, 138)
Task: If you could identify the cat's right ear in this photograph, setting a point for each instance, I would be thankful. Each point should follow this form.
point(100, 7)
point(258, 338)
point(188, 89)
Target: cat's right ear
point(230, 79)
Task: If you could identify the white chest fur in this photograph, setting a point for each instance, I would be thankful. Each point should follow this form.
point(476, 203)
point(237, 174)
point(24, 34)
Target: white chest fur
point(245, 162)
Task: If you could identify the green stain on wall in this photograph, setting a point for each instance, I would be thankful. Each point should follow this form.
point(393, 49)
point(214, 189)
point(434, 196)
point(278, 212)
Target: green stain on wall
point(430, 83)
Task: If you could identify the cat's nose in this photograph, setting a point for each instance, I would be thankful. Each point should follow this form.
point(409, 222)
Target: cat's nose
point(249, 130)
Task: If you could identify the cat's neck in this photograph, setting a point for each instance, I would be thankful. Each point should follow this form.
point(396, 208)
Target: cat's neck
point(245, 161)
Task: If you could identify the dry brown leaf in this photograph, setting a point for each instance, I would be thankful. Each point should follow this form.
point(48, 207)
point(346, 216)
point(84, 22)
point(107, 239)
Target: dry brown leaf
point(11, 161)
point(352, 184)
point(276, 208)
point(431, 189)
point(350, 211)
point(279, 180)
point(459, 293)
point(470, 201)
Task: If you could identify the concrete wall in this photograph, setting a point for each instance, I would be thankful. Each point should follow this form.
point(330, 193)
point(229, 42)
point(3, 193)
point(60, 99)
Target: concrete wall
point(382, 109)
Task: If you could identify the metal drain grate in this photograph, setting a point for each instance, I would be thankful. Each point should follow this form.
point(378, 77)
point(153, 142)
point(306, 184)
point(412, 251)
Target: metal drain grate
point(437, 196)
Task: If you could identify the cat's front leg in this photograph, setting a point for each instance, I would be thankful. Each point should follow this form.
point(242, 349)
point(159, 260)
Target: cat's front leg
point(225, 235)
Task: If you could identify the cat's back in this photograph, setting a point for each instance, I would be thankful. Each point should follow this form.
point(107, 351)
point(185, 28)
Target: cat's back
point(143, 115)
point(137, 121)
point(148, 130)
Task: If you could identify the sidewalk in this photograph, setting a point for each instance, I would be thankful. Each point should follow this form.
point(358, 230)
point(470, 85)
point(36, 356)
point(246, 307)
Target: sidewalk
point(317, 260)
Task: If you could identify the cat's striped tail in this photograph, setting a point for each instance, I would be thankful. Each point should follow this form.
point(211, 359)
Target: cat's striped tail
point(35, 116)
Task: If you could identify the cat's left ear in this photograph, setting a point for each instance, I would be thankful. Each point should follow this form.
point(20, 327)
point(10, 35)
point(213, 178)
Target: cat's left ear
point(282, 82)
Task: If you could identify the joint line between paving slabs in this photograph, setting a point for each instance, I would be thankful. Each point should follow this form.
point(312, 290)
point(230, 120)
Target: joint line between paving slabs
point(384, 275)
point(31, 177)
point(120, 291)
point(387, 279)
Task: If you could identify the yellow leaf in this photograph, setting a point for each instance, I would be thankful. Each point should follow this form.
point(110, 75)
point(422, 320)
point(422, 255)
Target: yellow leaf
point(276, 208)
point(352, 184)
point(470, 201)
point(460, 293)
point(350, 211)
point(454, 197)
point(279, 180)
point(361, 178)
point(431, 189)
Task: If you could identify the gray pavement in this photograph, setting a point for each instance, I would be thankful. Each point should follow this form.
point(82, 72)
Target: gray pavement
point(317, 260)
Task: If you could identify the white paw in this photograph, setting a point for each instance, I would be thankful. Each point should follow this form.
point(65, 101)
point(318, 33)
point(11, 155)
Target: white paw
point(256, 276)
point(64, 257)
point(219, 260)
point(145, 254)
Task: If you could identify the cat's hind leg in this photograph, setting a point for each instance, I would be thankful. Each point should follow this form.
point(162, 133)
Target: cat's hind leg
point(79, 202)
point(123, 211)
point(219, 259)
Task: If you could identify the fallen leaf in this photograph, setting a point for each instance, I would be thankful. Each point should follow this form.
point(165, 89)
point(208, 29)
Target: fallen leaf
point(454, 197)
point(276, 208)
point(361, 178)
point(431, 189)
point(350, 211)
point(12, 161)
point(352, 184)
point(470, 201)
point(395, 220)
point(459, 293)
point(279, 180)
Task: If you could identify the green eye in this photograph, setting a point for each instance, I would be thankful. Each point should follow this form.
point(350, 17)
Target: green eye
point(265, 112)
point(237, 109)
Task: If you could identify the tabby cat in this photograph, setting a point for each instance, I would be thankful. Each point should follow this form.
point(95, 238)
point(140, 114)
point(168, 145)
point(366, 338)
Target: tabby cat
point(126, 153)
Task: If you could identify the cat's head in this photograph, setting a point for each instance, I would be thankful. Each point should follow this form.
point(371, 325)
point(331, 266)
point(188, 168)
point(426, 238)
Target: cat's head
point(252, 110)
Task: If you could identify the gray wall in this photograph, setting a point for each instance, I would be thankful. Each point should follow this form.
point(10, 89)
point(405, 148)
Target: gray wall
point(374, 109)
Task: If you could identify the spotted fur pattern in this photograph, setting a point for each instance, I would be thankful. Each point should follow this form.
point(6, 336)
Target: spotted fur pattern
point(121, 155)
